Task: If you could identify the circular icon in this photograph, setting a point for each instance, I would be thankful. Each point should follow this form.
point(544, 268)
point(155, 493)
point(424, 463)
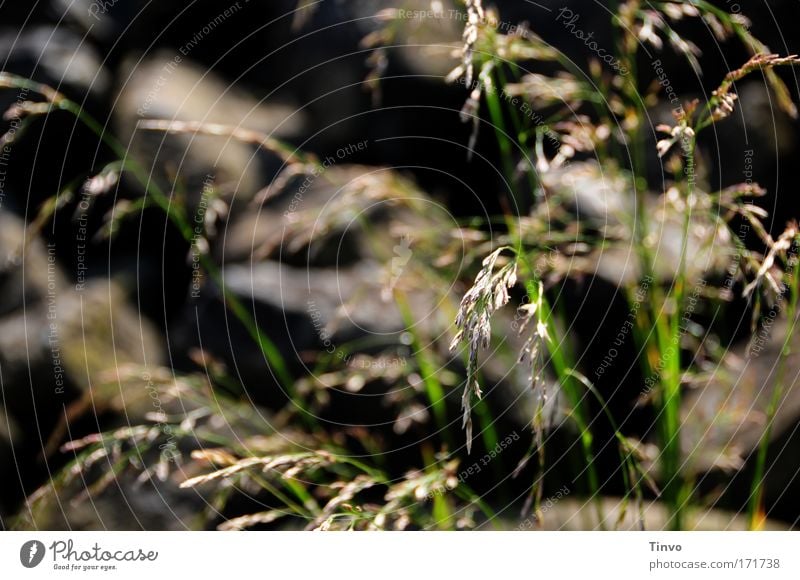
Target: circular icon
point(32, 553)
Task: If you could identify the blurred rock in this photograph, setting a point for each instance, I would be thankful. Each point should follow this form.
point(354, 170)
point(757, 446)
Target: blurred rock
point(57, 57)
point(60, 337)
point(52, 364)
point(101, 20)
point(20, 285)
point(602, 200)
point(126, 504)
point(273, 229)
point(58, 342)
point(725, 416)
point(30, 278)
point(172, 87)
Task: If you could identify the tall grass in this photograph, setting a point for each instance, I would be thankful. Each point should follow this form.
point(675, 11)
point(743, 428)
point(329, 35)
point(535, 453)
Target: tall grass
point(316, 479)
point(662, 321)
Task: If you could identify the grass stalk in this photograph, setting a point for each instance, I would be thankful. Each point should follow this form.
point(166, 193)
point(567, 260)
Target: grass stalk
point(756, 510)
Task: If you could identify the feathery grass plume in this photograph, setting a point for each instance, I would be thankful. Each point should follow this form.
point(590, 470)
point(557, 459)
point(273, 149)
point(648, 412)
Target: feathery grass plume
point(12, 81)
point(790, 291)
point(532, 353)
point(779, 247)
point(346, 491)
point(484, 42)
point(189, 413)
point(734, 200)
point(533, 350)
point(251, 520)
point(290, 155)
point(546, 91)
point(359, 188)
point(283, 464)
point(739, 26)
point(353, 373)
point(677, 10)
point(25, 111)
point(309, 476)
point(678, 134)
point(300, 479)
point(722, 101)
point(219, 447)
point(488, 293)
point(652, 20)
point(653, 25)
point(475, 17)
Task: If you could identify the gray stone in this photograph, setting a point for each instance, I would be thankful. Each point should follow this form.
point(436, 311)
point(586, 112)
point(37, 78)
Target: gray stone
point(724, 417)
point(172, 87)
point(55, 56)
point(603, 199)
